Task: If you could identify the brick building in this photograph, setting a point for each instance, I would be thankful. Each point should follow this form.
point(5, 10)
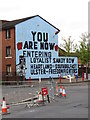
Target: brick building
point(9, 42)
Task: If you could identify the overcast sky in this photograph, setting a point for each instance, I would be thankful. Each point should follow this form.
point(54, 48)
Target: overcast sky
point(70, 16)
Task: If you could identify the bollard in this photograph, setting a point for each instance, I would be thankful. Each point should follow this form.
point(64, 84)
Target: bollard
point(87, 76)
point(82, 76)
point(30, 80)
point(39, 79)
point(60, 79)
point(76, 78)
point(70, 80)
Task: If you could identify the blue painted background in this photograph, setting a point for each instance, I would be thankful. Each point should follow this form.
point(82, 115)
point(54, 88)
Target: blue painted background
point(23, 33)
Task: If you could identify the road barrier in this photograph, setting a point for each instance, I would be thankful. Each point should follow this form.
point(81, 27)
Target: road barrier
point(29, 82)
point(17, 94)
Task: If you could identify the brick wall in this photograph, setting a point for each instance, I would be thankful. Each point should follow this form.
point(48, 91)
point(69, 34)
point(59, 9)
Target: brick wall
point(5, 60)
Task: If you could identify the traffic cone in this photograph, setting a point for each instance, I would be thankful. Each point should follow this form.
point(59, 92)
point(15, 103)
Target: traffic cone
point(4, 107)
point(64, 92)
point(40, 97)
point(60, 90)
point(57, 90)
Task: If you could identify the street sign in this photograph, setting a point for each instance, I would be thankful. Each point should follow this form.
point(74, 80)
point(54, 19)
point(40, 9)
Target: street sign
point(44, 91)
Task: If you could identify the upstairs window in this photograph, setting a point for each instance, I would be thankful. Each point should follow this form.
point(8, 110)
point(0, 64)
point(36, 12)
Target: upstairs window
point(8, 51)
point(8, 33)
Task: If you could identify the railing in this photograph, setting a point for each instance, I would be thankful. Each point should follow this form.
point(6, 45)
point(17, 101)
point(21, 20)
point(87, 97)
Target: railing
point(25, 91)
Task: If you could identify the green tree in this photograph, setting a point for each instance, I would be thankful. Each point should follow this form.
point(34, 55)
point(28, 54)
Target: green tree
point(69, 46)
point(83, 52)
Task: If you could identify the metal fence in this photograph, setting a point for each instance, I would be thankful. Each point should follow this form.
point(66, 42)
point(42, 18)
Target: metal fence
point(19, 92)
point(27, 91)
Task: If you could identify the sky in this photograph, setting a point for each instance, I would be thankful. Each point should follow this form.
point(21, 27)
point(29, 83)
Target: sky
point(70, 16)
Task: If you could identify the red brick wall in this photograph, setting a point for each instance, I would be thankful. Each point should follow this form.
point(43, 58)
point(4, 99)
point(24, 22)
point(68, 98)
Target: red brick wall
point(5, 43)
point(0, 55)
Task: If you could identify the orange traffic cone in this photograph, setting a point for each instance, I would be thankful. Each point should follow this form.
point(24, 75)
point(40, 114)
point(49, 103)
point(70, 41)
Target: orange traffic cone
point(57, 90)
point(64, 92)
point(61, 90)
point(40, 97)
point(4, 107)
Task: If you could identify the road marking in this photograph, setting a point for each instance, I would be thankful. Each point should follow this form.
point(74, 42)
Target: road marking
point(34, 110)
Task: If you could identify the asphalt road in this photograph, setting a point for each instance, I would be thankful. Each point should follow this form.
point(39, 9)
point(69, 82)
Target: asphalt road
point(75, 105)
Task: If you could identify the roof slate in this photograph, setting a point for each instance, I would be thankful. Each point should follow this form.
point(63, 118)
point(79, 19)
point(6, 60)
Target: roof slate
point(11, 24)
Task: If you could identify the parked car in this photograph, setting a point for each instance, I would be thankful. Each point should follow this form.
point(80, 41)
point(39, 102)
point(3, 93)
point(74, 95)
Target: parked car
point(69, 77)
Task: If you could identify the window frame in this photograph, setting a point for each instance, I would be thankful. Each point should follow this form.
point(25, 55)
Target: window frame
point(8, 54)
point(8, 69)
point(8, 34)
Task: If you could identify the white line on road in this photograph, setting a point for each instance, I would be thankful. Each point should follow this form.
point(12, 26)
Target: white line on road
point(34, 110)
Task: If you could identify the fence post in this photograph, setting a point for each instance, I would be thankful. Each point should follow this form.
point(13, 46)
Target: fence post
point(30, 80)
point(50, 79)
point(32, 94)
point(60, 79)
point(87, 76)
point(76, 78)
point(82, 76)
point(48, 98)
point(39, 83)
point(52, 87)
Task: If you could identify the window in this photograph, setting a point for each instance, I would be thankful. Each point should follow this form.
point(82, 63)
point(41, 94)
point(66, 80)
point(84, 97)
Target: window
point(8, 69)
point(8, 33)
point(8, 51)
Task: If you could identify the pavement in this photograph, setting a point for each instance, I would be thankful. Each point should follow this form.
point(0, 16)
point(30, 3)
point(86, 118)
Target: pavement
point(75, 105)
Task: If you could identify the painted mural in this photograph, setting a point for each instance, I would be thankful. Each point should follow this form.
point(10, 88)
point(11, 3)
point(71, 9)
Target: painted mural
point(37, 51)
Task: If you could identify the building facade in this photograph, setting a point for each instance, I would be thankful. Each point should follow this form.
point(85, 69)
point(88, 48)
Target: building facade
point(35, 35)
point(30, 49)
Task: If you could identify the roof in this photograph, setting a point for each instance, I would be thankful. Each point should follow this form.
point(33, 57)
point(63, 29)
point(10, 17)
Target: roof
point(11, 24)
point(64, 53)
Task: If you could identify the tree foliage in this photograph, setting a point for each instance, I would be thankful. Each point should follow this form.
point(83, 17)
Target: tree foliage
point(69, 46)
point(83, 52)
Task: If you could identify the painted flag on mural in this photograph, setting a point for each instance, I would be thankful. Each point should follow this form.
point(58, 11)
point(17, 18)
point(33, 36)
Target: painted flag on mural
point(56, 48)
point(19, 45)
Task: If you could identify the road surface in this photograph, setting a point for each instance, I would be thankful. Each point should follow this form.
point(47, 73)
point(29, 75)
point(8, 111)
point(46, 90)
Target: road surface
point(75, 105)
